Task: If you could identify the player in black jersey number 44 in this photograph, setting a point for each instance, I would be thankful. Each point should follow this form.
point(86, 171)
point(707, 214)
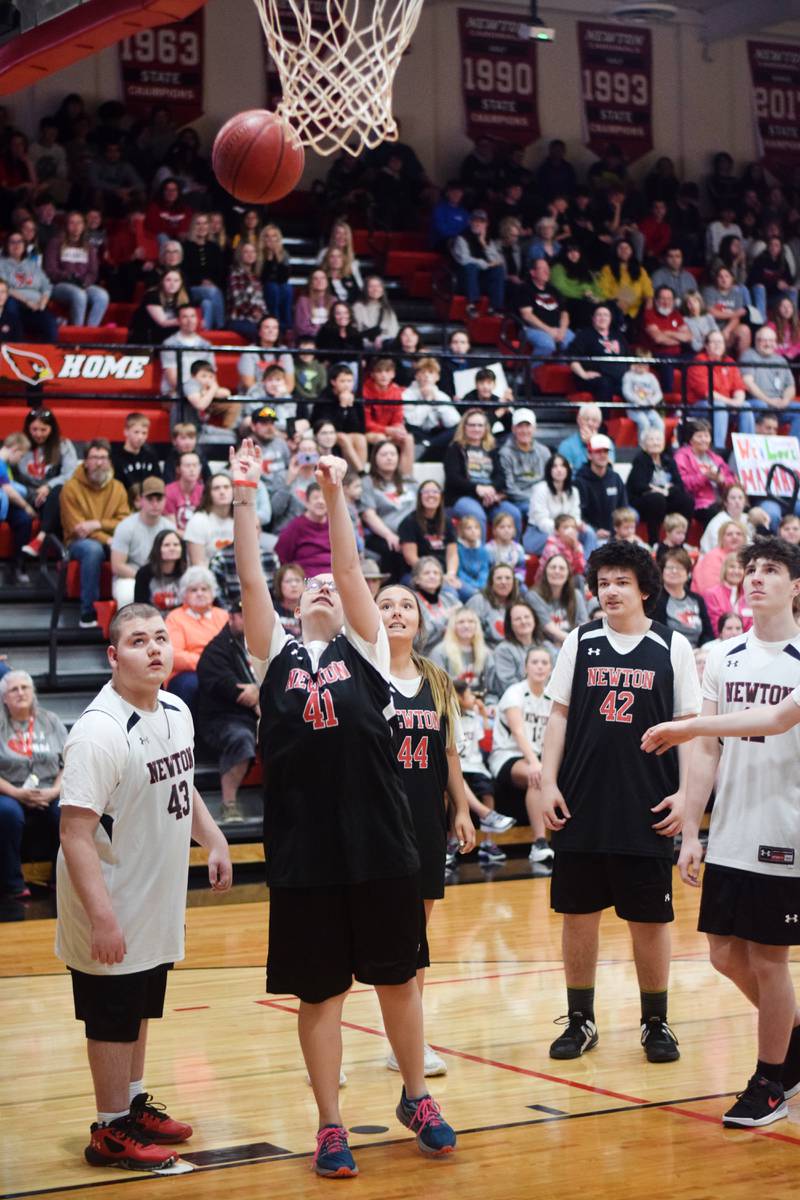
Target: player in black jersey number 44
point(613, 811)
point(750, 906)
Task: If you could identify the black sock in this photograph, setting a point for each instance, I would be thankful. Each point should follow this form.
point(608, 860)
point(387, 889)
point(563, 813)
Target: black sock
point(581, 1000)
point(654, 1004)
point(793, 1052)
point(540, 842)
point(771, 1071)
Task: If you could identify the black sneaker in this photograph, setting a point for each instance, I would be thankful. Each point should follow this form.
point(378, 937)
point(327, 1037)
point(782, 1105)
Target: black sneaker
point(87, 619)
point(579, 1036)
point(488, 852)
point(660, 1043)
point(761, 1103)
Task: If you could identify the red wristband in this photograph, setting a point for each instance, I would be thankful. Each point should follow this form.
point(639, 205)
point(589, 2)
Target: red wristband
point(245, 483)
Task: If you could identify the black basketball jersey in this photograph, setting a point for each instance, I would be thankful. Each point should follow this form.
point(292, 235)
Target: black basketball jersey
point(334, 807)
point(421, 745)
point(608, 783)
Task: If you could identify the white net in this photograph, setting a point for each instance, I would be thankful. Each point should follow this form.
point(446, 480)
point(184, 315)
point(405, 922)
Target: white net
point(336, 61)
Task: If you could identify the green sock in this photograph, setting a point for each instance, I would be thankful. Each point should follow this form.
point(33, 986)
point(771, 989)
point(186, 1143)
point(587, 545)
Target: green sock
point(654, 1004)
point(581, 1000)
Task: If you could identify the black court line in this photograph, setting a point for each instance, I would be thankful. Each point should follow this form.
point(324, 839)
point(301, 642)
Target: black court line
point(246, 1154)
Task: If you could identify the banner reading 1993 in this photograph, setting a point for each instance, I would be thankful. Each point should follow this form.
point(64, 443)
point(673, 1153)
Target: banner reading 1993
point(498, 76)
point(616, 77)
point(775, 76)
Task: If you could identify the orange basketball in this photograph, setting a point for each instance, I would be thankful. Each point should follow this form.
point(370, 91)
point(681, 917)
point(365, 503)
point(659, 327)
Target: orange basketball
point(257, 157)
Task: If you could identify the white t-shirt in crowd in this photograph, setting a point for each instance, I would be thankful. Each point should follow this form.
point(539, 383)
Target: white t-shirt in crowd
point(208, 530)
point(535, 711)
point(755, 822)
point(135, 769)
point(472, 727)
point(686, 686)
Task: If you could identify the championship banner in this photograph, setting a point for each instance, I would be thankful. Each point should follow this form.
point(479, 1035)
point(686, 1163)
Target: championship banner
point(498, 77)
point(775, 81)
point(616, 87)
point(756, 454)
point(165, 66)
point(69, 369)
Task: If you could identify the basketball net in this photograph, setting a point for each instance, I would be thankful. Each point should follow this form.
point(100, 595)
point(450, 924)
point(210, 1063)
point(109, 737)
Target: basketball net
point(336, 60)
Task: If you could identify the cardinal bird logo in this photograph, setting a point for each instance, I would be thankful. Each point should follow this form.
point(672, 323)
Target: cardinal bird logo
point(26, 365)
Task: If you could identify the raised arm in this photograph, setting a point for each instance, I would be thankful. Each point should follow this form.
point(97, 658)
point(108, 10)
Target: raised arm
point(360, 610)
point(763, 721)
point(259, 615)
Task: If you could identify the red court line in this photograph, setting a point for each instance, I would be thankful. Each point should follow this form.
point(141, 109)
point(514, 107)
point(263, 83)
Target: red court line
point(573, 1083)
point(459, 979)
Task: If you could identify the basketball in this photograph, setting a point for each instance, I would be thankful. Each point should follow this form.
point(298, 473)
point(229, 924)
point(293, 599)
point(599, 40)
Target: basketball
point(257, 157)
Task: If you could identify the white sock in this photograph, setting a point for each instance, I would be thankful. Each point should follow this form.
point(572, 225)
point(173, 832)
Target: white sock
point(135, 1089)
point(107, 1118)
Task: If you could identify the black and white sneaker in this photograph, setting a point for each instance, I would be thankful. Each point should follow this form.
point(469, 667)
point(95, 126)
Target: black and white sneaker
point(495, 822)
point(87, 619)
point(761, 1103)
point(660, 1043)
point(488, 852)
point(791, 1084)
point(540, 852)
point(579, 1036)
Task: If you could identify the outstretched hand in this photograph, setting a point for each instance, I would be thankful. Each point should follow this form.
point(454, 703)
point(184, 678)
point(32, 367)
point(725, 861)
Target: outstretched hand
point(246, 462)
point(330, 474)
point(660, 738)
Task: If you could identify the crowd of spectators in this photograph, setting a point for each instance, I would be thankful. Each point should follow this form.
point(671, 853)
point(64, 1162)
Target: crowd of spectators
point(494, 542)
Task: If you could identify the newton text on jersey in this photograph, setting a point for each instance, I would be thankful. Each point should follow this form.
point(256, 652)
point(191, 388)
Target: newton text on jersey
point(171, 765)
point(626, 677)
point(331, 673)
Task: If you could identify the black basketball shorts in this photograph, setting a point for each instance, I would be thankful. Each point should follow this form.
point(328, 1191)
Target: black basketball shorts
point(637, 886)
point(508, 798)
point(114, 1006)
point(749, 905)
point(321, 938)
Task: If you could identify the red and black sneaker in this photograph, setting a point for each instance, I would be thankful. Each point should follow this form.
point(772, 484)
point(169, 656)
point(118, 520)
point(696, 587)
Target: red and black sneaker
point(121, 1143)
point(156, 1123)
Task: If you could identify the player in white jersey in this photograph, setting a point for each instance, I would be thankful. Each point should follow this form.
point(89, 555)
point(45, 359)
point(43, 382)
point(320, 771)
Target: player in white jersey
point(750, 907)
point(516, 757)
point(128, 811)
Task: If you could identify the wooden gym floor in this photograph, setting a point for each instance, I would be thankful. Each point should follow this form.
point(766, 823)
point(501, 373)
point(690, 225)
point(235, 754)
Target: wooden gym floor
point(226, 1058)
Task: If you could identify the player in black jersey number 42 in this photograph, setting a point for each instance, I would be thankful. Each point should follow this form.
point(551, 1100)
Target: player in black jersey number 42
point(341, 858)
point(750, 905)
point(612, 811)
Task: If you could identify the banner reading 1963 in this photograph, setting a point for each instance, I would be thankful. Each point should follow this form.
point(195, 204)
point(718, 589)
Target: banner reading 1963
point(165, 66)
point(775, 76)
point(498, 76)
point(616, 77)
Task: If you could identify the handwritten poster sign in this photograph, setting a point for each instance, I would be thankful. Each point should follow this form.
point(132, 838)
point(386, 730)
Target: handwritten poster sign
point(755, 455)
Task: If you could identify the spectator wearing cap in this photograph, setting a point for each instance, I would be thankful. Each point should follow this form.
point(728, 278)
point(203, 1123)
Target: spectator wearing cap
point(480, 264)
point(600, 488)
point(602, 379)
point(134, 536)
point(575, 448)
point(184, 494)
point(374, 576)
point(227, 707)
point(539, 307)
point(522, 458)
point(274, 449)
point(449, 217)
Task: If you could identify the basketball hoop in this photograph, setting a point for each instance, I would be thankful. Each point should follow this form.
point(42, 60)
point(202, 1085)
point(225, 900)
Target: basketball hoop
point(336, 60)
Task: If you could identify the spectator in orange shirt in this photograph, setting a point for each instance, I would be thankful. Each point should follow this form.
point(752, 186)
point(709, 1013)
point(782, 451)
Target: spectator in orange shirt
point(727, 392)
point(191, 627)
point(384, 422)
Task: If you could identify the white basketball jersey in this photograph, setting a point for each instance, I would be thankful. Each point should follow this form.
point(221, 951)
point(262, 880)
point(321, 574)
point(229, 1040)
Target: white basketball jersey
point(755, 823)
point(135, 769)
point(535, 712)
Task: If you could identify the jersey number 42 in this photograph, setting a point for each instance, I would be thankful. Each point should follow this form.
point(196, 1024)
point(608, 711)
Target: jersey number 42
point(615, 707)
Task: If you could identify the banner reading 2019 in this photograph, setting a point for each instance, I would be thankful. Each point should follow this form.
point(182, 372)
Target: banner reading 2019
point(616, 77)
point(498, 77)
point(775, 74)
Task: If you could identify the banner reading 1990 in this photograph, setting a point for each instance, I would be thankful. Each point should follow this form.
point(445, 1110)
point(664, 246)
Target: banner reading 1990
point(616, 78)
point(498, 76)
point(775, 76)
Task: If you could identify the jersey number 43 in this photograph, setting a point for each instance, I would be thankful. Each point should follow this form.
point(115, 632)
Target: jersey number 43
point(180, 802)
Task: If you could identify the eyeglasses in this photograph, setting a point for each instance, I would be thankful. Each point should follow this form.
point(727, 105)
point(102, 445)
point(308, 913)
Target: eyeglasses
point(316, 585)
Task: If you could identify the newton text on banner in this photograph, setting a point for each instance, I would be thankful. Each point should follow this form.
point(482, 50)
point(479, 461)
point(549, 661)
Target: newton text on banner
point(498, 77)
point(755, 454)
point(616, 87)
point(165, 66)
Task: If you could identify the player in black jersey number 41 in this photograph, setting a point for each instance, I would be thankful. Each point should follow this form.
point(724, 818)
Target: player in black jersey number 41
point(750, 905)
point(613, 811)
point(341, 858)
